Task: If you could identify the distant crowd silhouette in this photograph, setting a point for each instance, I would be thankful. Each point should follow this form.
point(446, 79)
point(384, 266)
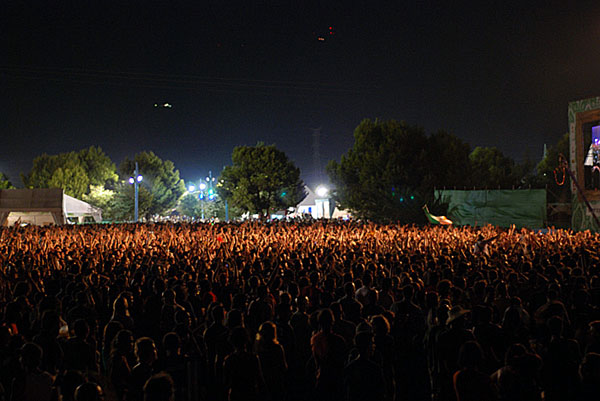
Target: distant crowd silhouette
point(298, 311)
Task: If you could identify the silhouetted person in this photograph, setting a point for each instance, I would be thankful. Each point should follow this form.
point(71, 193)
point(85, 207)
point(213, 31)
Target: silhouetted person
point(363, 378)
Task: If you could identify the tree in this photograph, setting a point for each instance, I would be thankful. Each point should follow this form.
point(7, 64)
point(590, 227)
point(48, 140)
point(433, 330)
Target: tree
point(74, 172)
point(448, 161)
point(260, 180)
point(100, 169)
point(161, 179)
point(189, 205)
point(389, 172)
point(492, 169)
point(5, 182)
point(72, 179)
point(102, 198)
point(122, 205)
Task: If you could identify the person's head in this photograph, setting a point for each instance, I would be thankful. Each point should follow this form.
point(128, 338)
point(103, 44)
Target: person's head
point(110, 331)
point(470, 355)
point(123, 342)
point(121, 306)
point(218, 314)
point(235, 318)
point(349, 289)
point(363, 341)
point(81, 328)
point(267, 333)
point(31, 356)
point(325, 319)
point(159, 387)
point(514, 353)
point(71, 379)
point(171, 343)
point(145, 350)
point(51, 323)
point(589, 370)
point(89, 391)
point(381, 326)
point(168, 296)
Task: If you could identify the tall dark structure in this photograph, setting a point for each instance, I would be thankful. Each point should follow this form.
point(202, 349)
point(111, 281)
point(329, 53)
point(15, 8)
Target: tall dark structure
point(316, 134)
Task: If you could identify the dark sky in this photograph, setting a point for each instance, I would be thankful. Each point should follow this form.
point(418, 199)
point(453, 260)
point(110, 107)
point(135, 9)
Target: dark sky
point(495, 73)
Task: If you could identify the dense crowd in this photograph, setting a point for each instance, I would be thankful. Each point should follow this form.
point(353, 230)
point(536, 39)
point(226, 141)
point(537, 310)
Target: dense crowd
point(293, 311)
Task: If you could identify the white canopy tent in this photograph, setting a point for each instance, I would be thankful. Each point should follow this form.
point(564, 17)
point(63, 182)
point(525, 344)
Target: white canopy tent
point(43, 207)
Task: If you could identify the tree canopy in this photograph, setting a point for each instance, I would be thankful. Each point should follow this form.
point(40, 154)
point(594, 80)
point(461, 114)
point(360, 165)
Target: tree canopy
point(161, 179)
point(260, 180)
point(5, 182)
point(492, 169)
point(384, 175)
point(392, 169)
point(74, 172)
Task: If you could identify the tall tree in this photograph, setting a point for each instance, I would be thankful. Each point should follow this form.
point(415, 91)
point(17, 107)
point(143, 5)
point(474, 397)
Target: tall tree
point(383, 176)
point(98, 166)
point(74, 172)
point(492, 169)
point(189, 205)
point(448, 161)
point(261, 180)
point(121, 206)
point(160, 178)
point(5, 182)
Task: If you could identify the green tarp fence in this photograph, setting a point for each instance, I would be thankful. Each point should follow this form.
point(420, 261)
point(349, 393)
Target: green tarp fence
point(498, 207)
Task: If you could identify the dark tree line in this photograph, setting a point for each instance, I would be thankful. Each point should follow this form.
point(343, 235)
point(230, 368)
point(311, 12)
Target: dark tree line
point(388, 174)
point(393, 168)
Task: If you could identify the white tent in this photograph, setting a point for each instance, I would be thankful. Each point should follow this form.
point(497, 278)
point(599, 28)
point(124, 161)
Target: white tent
point(43, 207)
point(319, 208)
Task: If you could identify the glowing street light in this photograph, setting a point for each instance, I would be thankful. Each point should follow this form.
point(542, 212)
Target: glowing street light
point(191, 188)
point(135, 180)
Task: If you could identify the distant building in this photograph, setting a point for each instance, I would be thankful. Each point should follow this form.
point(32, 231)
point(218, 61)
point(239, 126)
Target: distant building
point(319, 207)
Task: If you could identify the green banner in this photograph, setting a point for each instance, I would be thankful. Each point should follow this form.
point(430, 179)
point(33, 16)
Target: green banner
point(498, 207)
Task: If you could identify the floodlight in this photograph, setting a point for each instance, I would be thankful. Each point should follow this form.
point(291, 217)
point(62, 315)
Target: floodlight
point(322, 191)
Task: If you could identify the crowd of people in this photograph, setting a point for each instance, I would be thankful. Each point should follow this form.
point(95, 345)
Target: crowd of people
point(298, 311)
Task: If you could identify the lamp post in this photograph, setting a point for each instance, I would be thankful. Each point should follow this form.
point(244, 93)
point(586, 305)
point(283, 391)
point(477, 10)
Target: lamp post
point(202, 187)
point(135, 180)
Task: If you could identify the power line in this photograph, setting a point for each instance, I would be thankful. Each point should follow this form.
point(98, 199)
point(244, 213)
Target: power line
point(173, 81)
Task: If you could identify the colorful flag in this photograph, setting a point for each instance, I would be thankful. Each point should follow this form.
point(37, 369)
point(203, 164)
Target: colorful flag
point(443, 220)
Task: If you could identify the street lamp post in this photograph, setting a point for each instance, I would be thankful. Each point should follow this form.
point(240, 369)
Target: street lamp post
point(202, 187)
point(135, 180)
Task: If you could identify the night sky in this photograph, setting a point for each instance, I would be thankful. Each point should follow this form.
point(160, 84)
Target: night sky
point(495, 73)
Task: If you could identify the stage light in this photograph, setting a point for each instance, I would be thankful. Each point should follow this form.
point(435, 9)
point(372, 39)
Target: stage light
point(322, 191)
